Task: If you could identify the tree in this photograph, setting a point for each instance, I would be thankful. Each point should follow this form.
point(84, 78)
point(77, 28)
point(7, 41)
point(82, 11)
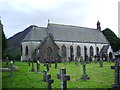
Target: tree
point(112, 38)
point(4, 40)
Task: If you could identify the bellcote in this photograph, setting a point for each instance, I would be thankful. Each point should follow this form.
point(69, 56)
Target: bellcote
point(98, 25)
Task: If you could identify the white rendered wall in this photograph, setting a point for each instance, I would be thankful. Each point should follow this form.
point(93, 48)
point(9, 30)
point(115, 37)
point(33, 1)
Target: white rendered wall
point(32, 45)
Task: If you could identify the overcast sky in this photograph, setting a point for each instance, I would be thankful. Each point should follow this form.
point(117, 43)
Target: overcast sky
point(16, 15)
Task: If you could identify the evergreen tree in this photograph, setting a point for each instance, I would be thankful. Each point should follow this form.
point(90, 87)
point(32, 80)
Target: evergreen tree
point(112, 38)
point(4, 40)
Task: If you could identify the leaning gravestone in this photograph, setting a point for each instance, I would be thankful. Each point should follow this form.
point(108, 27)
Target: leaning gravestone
point(63, 78)
point(11, 69)
point(38, 66)
point(44, 75)
point(84, 76)
point(117, 74)
point(32, 67)
point(49, 82)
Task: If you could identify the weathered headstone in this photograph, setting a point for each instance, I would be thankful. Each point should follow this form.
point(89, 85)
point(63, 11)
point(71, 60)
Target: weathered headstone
point(95, 59)
point(87, 59)
point(44, 62)
point(49, 82)
point(38, 66)
point(56, 63)
point(29, 62)
point(81, 59)
point(11, 69)
point(47, 66)
point(101, 62)
point(84, 76)
point(7, 60)
point(76, 61)
point(117, 74)
point(63, 78)
point(44, 75)
point(32, 67)
point(49, 61)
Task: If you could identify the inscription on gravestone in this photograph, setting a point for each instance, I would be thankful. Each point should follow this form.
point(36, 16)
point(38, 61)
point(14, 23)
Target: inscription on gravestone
point(63, 78)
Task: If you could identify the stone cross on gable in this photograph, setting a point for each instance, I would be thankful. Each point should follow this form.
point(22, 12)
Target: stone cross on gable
point(63, 78)
point(117, 74)
point(11, 69)
point(84, 76)
point(49, 82)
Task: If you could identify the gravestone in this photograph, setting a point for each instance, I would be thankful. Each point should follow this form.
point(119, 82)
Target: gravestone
point(49, 81)
point(63, 78)
point(29, 62)
point(87, 59)
point(101, 62)
point(69, 59)
point(76, 61)
point(81, 59)
point(11, 69)
point(117, 74)
point(56, 63)
point(32, 67)
point(44, 62)
point(38, 66)
point(95, 59)
point(49, 61)
point(84, 76)
point(7, 60)
point(44, 75)
point(47, 67)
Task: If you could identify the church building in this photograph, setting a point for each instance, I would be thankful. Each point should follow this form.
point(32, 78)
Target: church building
point(58, 41)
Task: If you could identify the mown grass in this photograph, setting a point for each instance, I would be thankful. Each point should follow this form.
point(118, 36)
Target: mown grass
point(100, 77)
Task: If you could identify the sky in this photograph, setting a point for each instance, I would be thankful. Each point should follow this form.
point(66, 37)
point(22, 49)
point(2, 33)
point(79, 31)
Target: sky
point(17, 15)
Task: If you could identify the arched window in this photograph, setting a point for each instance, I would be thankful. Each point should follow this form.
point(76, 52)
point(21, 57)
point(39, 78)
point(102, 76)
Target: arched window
point(97, 50)
point(91, 51)
point(26, 53)
point(21, 50)
point(71, 50)
point(49, 52)
point(63, 51)
point(78, 51)
point(85, 52)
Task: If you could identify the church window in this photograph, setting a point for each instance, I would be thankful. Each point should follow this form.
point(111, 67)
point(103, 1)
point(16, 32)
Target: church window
point(63, 51)
point(49, 52)
point(78, 51)
point(85, 52)
point(91, 51)
point(26, 51)
point(21, 49)
point(97, 50)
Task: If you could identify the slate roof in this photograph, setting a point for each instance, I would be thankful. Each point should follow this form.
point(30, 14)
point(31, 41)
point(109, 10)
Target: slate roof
point(36, 33)
point(67, 33)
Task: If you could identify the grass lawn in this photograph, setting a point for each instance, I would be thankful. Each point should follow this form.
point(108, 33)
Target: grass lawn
point(100, 77)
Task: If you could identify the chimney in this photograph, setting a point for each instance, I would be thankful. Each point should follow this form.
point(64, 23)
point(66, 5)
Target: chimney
point(98, 25)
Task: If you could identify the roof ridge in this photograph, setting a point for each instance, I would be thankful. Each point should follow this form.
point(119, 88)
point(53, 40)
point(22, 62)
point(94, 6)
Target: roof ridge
point(72, 26)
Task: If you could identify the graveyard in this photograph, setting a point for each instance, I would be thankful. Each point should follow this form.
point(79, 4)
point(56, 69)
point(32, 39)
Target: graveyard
point(24, 77)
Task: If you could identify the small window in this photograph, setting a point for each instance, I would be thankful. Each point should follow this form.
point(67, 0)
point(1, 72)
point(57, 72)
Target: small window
point(91, 51)
point(26, 53)
point(78, 51)
point(63, 51)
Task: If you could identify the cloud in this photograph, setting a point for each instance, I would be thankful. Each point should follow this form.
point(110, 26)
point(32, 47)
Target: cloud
point(19, 14)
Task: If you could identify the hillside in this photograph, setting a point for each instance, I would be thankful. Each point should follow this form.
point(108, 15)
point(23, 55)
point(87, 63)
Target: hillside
point(14, 43)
